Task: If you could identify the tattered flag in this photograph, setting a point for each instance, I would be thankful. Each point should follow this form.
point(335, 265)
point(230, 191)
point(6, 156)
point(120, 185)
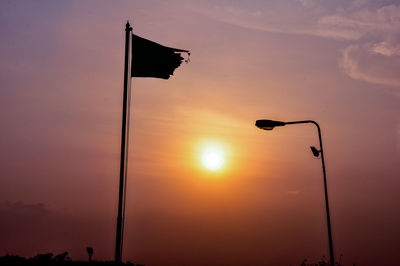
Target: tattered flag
point(150, 59)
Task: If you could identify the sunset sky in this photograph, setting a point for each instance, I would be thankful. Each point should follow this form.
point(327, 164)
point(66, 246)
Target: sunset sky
point(336, 62)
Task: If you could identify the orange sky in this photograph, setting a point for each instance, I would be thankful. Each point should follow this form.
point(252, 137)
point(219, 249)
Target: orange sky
point(60, 105)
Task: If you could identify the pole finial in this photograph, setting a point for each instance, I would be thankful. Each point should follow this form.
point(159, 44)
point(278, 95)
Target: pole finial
point(128, 26)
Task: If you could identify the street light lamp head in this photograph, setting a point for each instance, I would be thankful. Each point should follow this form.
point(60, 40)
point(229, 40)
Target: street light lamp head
point(268, 124)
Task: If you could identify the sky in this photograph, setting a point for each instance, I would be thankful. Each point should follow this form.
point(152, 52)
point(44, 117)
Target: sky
point(336, 62)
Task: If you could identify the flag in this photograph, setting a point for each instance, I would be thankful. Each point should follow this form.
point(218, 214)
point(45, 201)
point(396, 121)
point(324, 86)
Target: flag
point(150, 59)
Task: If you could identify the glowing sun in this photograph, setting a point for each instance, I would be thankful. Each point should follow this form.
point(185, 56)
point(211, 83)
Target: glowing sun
point(213, 157)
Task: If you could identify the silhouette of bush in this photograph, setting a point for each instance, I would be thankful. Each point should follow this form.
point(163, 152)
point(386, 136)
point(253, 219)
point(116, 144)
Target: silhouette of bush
point(48, 260)
point(64, 260)
point(43, 258)
point(322, 262)
point(62, 257)
point(12, 260)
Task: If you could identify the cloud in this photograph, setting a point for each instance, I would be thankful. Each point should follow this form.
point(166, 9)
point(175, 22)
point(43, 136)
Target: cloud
point(350, 20)
point(398, 137)
point(385, 48)
point(371, 30)
point(20, 210)
point(381, 21)
point(363, 63)
point(375, 57)
point(307, 3)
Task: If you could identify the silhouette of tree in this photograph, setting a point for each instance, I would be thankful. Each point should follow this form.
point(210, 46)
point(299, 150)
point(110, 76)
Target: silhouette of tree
point(62, 257)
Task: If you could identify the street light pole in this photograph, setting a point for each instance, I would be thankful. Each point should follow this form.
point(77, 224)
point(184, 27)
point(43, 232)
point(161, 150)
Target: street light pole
point(328, 217)
point(269, 125)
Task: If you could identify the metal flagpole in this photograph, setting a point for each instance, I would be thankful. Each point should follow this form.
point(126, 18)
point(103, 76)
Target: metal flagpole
point(118, 242)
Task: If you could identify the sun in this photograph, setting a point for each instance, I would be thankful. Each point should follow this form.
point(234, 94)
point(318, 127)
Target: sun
point(213, 157)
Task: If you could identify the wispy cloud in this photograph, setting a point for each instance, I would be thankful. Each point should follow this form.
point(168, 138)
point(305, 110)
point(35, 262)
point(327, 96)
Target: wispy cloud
point(361, 62)
point(371, 30)
point(385, 48)
point(398, 137)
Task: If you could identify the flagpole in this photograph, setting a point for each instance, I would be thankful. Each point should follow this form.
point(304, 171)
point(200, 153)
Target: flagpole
point(118, 238)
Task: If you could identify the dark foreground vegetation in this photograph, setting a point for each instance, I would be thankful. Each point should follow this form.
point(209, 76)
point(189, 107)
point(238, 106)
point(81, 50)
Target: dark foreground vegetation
point(50, 260)
point(64, 260)
point(321, 262)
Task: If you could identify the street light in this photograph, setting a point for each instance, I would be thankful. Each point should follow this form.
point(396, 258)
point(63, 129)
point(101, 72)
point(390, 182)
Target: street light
point(269, 125)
